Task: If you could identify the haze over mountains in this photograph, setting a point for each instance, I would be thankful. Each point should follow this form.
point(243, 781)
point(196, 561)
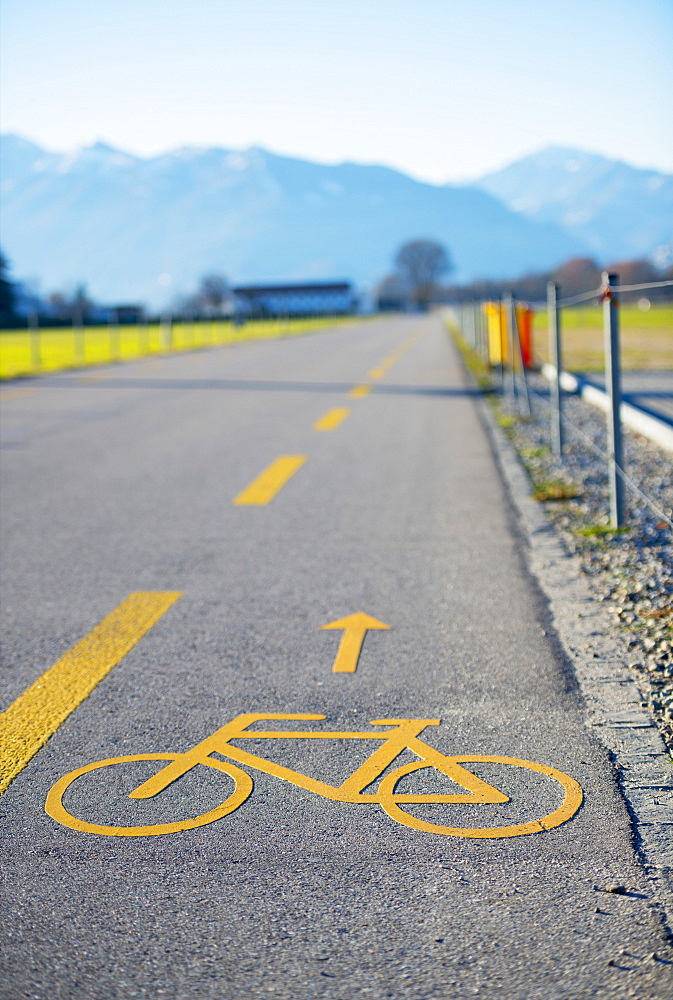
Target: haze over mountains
point(117, 222)
point(620, 212)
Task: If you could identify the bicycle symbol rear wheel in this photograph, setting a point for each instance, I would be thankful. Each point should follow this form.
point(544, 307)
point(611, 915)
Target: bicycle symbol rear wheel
point(571, 802)
point(54, 807)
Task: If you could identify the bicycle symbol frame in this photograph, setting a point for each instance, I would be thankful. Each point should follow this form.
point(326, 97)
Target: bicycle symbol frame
point(403, 736)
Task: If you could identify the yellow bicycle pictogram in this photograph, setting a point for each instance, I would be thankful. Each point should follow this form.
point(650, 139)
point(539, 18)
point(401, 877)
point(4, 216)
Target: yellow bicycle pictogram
point(401, 735)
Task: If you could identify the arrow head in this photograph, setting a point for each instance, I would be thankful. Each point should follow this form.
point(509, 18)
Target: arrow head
point(359, 621)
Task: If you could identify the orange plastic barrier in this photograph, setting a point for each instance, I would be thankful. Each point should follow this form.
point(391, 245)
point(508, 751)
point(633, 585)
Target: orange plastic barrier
point(525, 315)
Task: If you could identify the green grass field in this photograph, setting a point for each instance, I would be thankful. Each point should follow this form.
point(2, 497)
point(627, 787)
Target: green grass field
point(646, 338)
point(25, 353)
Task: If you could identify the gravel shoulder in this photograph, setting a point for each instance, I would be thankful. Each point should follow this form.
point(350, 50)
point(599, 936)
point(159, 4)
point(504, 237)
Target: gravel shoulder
point(610, 596)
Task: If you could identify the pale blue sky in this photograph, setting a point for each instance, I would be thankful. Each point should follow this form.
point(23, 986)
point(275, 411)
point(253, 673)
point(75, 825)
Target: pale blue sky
point(443, 89)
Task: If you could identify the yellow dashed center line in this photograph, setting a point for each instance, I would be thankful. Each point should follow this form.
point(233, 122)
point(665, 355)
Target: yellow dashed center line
point(360, 391)
point(46, 704)
point(332, 419)
point(377, 372)
point(268, 483)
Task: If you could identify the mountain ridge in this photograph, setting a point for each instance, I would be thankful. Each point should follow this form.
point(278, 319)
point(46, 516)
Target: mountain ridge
point(118, 221)
point(618, 210)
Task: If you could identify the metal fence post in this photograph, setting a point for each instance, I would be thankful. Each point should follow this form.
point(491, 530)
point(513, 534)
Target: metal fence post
point(483, 334)
point(508, 310)
point(477, 329)
point(613, 387)
point(555, 355)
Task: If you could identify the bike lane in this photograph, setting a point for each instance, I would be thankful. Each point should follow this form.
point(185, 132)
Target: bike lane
point(397, 513)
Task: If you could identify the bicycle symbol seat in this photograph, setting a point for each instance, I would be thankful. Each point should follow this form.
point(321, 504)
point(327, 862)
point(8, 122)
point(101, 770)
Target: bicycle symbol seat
point(400, 735)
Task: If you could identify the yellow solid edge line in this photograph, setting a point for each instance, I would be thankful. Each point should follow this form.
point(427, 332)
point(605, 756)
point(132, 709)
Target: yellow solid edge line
point(332, 419)
point(269, 482)
point(46, 704)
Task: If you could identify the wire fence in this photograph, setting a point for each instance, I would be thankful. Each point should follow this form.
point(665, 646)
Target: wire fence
point(500, 334)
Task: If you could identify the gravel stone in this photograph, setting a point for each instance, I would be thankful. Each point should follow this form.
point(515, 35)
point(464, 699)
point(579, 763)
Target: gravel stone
point(631, 569)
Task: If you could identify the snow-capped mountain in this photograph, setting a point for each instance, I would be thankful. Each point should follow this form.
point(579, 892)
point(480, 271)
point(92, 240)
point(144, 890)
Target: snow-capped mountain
point(619, 211)
point(117, 222)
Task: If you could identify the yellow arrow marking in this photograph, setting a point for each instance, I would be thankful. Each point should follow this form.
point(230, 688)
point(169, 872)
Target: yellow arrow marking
point(46, 704)
point(264, 488)
point(332, 419)
point(355, 628)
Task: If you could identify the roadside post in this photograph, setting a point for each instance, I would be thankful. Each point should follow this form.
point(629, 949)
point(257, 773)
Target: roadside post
point(167, 332)
point(78, 334)
point(145, 329)
point(472, 312)
point(483, 323)
point(613, 386)
point(482, 326)
point(555, 354)
point(509, 323)
point(35, 346)
point(113, 328)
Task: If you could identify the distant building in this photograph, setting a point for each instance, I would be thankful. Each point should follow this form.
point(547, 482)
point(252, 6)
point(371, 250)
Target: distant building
point(125, 313)
point(314, 299)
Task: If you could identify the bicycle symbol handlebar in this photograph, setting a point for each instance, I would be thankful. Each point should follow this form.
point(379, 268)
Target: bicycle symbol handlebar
point(402, 734)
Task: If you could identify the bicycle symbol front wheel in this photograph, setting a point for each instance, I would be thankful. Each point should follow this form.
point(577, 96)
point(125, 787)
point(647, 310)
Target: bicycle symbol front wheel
point(54, 807)
point(389, 800)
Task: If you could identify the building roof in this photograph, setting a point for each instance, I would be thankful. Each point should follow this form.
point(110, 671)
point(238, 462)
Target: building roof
point(334, 286)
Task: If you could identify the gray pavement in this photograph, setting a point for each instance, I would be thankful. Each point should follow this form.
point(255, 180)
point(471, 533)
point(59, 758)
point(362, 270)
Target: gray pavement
point(127, 484)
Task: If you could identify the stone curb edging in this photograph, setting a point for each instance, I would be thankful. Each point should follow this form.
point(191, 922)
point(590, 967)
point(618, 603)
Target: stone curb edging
point(639, 421)
point(599, 658)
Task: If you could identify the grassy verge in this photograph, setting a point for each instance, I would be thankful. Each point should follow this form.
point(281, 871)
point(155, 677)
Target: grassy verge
point(23, 353)
point(544, 487)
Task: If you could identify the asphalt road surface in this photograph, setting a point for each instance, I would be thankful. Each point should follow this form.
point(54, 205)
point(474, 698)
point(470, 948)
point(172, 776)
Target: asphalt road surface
point(248, 496)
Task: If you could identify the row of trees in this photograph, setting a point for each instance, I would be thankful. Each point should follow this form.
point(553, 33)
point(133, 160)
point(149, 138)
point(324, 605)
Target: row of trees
point(574, 277)
point(7, 294)
point(414, 284)
point(421, 263)
point(210, 298)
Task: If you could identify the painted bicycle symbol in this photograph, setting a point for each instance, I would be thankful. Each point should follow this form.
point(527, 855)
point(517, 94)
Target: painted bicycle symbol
point(401, 735)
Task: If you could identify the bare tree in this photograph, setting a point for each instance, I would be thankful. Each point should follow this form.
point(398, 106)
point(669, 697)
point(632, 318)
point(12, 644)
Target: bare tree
point(74, 306)
point(213, 292)
point(578, 275)
point(421, 262)
point(81, 305)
